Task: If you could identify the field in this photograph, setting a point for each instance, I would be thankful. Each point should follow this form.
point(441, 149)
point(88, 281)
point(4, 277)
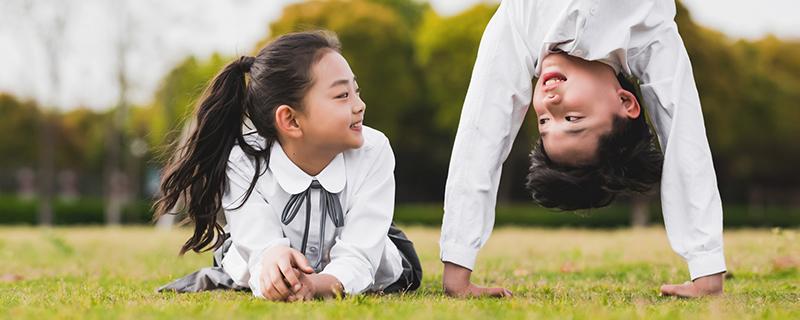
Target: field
point(97, 272)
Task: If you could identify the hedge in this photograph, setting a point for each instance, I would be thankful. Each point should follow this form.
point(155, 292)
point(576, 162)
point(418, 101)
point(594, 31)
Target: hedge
point(87, 211)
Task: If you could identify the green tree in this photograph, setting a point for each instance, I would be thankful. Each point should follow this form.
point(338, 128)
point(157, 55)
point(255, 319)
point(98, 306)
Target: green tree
point(446, 48)
point(175, 99)
point(19, 129)
point(410, 11)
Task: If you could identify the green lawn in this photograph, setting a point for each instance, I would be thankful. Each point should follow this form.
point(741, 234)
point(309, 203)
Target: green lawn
point(563, 273)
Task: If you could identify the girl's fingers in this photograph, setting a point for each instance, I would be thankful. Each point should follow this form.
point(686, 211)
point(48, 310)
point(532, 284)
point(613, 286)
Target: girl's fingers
point(277, 282)
point(266, 287)
point(300, 261)
point(289, 275)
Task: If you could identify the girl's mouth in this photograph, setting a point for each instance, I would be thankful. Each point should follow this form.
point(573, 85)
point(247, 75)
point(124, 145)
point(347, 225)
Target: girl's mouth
point(356, 125)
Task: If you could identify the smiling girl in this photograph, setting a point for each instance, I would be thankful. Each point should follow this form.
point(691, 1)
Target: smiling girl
point(307, 193)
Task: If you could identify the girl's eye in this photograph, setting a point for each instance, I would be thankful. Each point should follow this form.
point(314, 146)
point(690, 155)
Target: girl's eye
point(343, 95)
point(572, 118)
point(543, 120)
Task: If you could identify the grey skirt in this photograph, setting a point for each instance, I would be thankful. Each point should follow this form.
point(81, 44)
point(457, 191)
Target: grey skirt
point(215, 278)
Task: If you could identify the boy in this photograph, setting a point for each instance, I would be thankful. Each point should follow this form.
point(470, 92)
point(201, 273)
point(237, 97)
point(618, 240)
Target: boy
point(594, 141)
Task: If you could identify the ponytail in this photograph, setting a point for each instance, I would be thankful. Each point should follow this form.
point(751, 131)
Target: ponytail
point(196, 174)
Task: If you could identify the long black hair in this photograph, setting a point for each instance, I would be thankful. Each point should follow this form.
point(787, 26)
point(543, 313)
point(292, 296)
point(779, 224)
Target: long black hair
point(194, 177)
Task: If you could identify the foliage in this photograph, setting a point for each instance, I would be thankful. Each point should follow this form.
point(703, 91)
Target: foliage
point(414, 68)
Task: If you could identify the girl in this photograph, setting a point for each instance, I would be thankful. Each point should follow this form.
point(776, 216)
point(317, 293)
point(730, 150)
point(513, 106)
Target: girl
point(308, 195)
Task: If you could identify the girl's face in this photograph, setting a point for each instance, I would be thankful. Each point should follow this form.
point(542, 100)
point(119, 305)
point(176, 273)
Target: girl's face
point(333, 110)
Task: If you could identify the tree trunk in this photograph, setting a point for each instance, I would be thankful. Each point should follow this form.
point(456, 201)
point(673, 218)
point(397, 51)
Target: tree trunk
point(640, 211)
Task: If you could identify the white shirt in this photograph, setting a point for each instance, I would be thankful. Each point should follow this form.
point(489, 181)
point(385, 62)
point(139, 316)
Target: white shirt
point(359, 254)
point(636, 37)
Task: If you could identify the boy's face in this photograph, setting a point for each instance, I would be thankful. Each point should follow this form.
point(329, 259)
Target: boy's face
point(575, 102)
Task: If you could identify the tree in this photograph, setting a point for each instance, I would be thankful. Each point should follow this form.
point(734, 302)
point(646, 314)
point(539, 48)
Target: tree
point(19, 125)
point(446, 50)
point(175, 99)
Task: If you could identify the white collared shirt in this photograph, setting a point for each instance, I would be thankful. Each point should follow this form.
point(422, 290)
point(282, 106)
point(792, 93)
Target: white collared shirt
point(359, 254)
point(636, 37)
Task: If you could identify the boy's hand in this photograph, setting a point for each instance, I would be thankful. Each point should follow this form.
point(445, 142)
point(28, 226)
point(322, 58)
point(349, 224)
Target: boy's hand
point(278, 278)
point(703, 286)
point(456, 284)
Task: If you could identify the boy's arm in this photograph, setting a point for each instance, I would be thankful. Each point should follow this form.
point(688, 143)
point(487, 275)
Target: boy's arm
point(498, 97)
point(689, 195)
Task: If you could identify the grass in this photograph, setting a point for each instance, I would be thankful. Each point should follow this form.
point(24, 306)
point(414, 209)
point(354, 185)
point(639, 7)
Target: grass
point(97, 272)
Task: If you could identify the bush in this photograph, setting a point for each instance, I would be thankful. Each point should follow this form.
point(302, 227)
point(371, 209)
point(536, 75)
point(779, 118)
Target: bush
point(14, 210)
point(85, 211)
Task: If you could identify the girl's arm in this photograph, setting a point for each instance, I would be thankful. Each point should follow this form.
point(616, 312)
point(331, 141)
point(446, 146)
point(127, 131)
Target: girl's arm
point(254, 229)
point(357, 251)
point(689, 196)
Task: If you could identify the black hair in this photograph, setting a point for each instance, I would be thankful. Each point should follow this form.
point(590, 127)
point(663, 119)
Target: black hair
point(195, 176)
point(628, 160)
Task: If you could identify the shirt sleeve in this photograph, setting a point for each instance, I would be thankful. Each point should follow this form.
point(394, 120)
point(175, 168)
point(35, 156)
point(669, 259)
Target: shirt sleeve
point(497, 100)
point(253, 227)
point(689, 196)
point(358, 249)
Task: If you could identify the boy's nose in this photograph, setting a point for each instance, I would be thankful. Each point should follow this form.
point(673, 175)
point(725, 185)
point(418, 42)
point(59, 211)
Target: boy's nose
point(552, 98)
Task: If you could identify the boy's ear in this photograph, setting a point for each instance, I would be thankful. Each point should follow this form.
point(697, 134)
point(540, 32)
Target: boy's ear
point(286, 122)
point(630, 104)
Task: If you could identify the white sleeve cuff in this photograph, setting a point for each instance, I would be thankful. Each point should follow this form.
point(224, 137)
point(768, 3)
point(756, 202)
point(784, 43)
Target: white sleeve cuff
point(707, 264)
point(347, 277)
point(458, 254)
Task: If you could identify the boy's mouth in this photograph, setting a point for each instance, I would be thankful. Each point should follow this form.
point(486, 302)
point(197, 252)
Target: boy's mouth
point(356, 125)
point(552, 79)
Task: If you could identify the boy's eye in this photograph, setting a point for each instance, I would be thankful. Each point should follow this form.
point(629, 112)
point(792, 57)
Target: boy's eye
point(571, 118)
point(542, 120)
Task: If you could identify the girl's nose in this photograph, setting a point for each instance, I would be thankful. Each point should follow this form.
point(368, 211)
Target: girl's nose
point(360, 106)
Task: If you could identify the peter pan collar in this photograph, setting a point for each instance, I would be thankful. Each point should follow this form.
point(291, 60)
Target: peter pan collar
point(294, 180)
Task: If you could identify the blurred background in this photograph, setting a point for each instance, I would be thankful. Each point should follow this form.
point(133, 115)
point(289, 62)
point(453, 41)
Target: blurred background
point(92, 92)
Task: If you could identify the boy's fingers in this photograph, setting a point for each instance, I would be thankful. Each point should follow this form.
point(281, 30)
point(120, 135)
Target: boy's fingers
point(491, 292)
point(679, 290)
point(300, 261)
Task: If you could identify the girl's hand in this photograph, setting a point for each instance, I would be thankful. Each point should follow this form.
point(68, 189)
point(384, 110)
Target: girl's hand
point(307, 291)
point(278, 278)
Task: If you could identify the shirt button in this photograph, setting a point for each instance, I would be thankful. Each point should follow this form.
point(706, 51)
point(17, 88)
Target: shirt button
point(578, 53)
point(312, 249)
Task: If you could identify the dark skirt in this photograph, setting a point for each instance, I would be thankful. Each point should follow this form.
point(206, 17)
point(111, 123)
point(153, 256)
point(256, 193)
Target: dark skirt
point(215, 278)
